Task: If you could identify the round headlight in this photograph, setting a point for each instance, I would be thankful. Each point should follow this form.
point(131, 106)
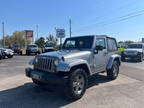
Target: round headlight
point(56, 62)
point(36, 60)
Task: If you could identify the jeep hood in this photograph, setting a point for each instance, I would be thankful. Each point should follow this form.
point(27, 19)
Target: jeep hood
point(130, 49)
point(68, 54)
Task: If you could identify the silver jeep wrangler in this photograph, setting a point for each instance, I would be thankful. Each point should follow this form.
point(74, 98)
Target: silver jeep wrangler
point(79, 58)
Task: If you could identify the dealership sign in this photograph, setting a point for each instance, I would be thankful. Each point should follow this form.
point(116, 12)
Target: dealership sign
point(60, 33)
point(29, 33)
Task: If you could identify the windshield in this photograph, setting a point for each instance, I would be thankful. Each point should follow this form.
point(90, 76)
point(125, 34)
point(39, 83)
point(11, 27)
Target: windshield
point(49, 45)
point(135, 46)
point(78, 42)
point(32, 46)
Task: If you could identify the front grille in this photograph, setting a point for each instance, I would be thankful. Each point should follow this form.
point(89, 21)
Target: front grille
point(44, 64)
point(130, 53)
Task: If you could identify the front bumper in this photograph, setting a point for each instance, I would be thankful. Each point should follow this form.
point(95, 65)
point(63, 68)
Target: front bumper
point(131, 56)
point(49, 50)
point(50, 78)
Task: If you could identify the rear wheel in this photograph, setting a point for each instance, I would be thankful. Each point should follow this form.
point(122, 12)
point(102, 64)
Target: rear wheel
point(77, 84)
point(114, 71)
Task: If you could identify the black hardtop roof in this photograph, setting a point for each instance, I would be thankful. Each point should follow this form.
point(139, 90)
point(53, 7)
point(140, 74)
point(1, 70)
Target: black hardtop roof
point(103, 36)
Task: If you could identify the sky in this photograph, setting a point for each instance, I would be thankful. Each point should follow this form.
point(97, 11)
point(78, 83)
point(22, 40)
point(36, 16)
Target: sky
point(122, 19)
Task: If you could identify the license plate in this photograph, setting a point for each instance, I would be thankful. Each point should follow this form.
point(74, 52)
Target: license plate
point(34, 76)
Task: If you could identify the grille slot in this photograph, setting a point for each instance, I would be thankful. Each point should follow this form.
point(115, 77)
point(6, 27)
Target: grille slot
point(44, 64)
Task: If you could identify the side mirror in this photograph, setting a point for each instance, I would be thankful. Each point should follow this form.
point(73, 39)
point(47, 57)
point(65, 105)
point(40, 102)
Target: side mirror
point(97, 49)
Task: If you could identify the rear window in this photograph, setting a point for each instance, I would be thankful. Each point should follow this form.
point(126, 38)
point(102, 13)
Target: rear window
point(112, 45)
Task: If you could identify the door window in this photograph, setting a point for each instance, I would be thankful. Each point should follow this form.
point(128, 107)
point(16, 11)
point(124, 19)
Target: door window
point(101, 42)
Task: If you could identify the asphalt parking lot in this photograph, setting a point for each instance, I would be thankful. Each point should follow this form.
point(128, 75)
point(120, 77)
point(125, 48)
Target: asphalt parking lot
point(18, 91)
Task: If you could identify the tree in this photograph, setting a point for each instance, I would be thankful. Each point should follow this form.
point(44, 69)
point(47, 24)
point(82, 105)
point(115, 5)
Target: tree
point(40, 42)
point(16, 38)
point(52, 39)
point(128, 42)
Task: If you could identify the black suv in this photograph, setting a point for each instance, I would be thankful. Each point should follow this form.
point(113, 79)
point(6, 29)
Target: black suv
point(32, 49)
point(15, 48)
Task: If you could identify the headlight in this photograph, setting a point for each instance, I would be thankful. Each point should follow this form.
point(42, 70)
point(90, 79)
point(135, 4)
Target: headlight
point(125, 52)
point(139, 53)
point(56, 62)
point(36, 60)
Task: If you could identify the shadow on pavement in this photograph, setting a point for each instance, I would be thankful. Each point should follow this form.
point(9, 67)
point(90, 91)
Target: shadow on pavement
point(31, 96)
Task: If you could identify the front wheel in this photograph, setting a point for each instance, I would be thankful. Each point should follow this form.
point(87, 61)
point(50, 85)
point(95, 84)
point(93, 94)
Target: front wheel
point(77, 84)
point(114, 71)
point(9, 56)
point(141, 58)
point(123, 58)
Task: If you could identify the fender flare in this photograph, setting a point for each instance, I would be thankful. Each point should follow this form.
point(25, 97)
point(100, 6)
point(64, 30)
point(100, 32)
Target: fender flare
point(112, 59)
point(65, 67)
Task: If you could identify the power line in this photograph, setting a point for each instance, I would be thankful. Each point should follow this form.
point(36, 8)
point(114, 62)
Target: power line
point(130, 17)
point(119, 8)
point(118, 19)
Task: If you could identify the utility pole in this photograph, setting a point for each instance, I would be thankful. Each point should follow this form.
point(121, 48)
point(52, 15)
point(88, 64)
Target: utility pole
point(37, 31)
point(3, 34)
point(70, 27)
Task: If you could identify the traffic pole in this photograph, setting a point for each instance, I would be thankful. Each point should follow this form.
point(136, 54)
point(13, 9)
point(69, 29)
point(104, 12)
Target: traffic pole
point(3, 34)
point(70, 27)
point(37, 31)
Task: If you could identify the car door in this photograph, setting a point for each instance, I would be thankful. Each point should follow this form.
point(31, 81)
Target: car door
point(100, 59)
point(111, 47)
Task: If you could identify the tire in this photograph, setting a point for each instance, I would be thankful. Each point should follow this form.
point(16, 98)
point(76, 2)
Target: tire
point(20, 53)
point(27, 53)
point(3, 57)
point(9, 56)
point(77, 84)
point(123, 58)
point(114, 71)
point(141, 58)
point(38, 82)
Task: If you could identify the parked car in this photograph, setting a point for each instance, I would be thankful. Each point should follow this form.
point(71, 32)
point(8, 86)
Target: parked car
point(48, 48)
point(79, 58)
point(1, 54)
point(7, 52)
point(15, 48)
point(133, 51)
point(32, 49)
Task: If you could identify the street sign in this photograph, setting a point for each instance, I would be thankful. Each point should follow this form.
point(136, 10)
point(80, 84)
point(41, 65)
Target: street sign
point(29, 33)
point(60, 33)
